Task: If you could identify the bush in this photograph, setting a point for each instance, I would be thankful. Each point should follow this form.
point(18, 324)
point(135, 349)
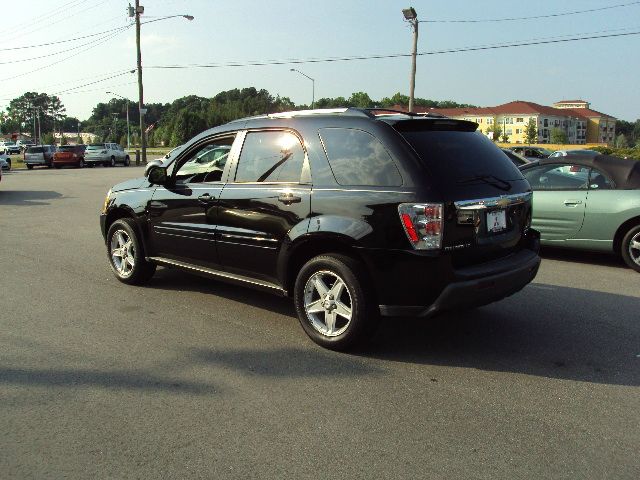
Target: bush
point(620, 152)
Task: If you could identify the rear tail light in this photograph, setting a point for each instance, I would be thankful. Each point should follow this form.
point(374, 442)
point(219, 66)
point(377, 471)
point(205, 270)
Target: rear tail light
point(423, 224)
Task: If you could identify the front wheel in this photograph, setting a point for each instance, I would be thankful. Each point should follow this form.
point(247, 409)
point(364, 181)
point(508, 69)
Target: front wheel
point(112, 162)
point(630, 248)
point(127, 161)
point(29, 166)
point(8, 164)
point(126, 254)
point(81, 163)
point(331, 303)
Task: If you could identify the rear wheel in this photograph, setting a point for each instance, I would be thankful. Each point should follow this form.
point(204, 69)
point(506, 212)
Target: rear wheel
point(8, 164)
point(127, 161)
point(112, 162)
point(29, 166)
point(126, 255)
point(630, 248)
point(331, 303)
point(81, 163)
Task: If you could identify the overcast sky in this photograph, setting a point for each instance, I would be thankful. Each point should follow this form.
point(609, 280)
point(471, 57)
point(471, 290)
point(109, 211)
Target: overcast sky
point(605, 72)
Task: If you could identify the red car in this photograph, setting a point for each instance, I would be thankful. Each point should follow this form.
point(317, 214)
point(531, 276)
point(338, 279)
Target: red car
point(69, 155)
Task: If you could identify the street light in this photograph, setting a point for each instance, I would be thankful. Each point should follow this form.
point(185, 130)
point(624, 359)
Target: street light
point(128, 132)
point(313, 86)
point(137, 11)
point(411, 16)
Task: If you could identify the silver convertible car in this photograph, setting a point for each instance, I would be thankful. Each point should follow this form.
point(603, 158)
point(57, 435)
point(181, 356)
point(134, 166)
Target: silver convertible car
point(588, 202)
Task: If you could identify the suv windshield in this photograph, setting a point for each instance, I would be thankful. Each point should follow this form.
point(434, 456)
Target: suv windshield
point(457, 158)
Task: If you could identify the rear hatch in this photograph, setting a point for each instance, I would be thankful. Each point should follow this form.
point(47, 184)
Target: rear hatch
point(486, 200)
point(65, 153)
point(34, 155)
point(96, 151)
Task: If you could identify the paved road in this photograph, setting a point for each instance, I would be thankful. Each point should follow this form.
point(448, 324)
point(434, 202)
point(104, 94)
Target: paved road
point(195, 378)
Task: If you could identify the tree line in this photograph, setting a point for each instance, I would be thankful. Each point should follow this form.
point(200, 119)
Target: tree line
point(174, 123)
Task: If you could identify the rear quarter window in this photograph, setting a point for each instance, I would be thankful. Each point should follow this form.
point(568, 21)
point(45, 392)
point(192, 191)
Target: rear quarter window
point(357, 158)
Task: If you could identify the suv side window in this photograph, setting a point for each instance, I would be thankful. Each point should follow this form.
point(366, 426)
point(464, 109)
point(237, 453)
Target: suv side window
point(206, 164)
point(357, 158)
point(556, 177)
point(271, 156)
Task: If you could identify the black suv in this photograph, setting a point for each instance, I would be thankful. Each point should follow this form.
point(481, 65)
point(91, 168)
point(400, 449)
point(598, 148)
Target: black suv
point(354, 213)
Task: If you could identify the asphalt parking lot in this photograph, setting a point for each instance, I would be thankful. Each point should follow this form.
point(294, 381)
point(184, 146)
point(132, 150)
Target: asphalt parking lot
point(194, 378)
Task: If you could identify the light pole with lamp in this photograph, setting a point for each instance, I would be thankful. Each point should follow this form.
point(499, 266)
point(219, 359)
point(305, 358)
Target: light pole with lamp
point(136, 12)
point(411, 16)
point(313, 86)
point(128, 131)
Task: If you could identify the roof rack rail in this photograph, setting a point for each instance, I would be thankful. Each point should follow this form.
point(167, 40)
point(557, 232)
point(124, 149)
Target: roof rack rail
point(387, 111)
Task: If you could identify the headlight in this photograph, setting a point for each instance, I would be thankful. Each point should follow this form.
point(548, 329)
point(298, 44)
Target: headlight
point(106, 201)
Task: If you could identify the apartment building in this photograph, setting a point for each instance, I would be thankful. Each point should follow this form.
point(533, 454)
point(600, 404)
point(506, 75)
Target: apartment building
point(574, 117)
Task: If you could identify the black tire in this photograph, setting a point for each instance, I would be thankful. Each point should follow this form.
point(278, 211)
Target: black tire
point(90, 165)
point(631, 254)
point(81, 163)
point(141, 270)
point(8, 164)
point(29, 166)
point(112, 162)
point(127, 161)
point(364, 314)
point(57, 167)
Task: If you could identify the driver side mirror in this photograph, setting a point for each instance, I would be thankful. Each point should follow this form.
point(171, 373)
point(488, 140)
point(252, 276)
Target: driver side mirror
point(152, 163)
point(157, 175)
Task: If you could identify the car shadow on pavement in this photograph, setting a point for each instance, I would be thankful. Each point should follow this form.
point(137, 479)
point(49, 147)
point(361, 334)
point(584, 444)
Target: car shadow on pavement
point(27, 198)
point(116, 380)
point(581, 256)
point(545, 330)
point(177, 280)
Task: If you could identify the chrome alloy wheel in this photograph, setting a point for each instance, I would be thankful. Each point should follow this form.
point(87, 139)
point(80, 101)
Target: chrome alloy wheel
point(122, 253)
point(634, 248)
point(327, 303)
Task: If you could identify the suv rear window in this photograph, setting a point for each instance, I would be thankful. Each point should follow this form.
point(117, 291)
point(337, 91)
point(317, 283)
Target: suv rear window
point(67, 148)
point(35, 150)
point(96, 146)
point(357, 158)
point(456, 157)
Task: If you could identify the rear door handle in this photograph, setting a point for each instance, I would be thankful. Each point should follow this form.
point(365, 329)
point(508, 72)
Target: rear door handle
point(205, 198)
point(572, 203)
point(288, 198)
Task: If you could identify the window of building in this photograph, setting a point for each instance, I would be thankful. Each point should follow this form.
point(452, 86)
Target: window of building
point(273, 156)
point(519, 120)
point(509, 131)
point(545, 122)
point(358, 158)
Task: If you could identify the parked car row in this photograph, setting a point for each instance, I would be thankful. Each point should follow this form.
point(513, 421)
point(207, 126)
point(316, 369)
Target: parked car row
point(106, 154)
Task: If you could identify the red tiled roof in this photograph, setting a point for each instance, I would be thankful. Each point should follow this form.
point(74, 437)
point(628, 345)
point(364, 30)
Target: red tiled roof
point(517, 107)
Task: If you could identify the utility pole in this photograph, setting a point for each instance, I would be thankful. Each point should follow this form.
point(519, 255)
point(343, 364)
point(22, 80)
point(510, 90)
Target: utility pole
point(39, 125)
point(411, 16)
point(143, 138)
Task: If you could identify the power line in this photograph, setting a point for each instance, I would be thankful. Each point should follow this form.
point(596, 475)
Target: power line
point(121, 29)
point(93, 83)
point(64, 41)
point(513, 19)
point(385, 56)
point(61, 60)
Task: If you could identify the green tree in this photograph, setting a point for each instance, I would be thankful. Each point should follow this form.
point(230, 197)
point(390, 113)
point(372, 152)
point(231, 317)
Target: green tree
point(495, 129)
point(621, 141)
point(559, 136)
point(360, 100)
point(63, 140)
point(504, 138)
point(48, 139)
point(531, 131)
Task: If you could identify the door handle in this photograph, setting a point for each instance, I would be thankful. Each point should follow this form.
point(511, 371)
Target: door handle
point(288, 198)
point(154, 204)
point(205, 198)
point(572, 203)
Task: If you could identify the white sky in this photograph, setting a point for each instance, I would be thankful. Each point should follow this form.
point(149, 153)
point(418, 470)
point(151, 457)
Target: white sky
point(604, 71)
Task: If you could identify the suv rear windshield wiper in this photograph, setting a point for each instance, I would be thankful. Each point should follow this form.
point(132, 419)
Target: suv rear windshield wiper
point(497, 182)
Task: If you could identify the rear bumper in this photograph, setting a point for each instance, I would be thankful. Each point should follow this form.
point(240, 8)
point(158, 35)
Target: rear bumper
point(434, 286)
point(482, 288)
